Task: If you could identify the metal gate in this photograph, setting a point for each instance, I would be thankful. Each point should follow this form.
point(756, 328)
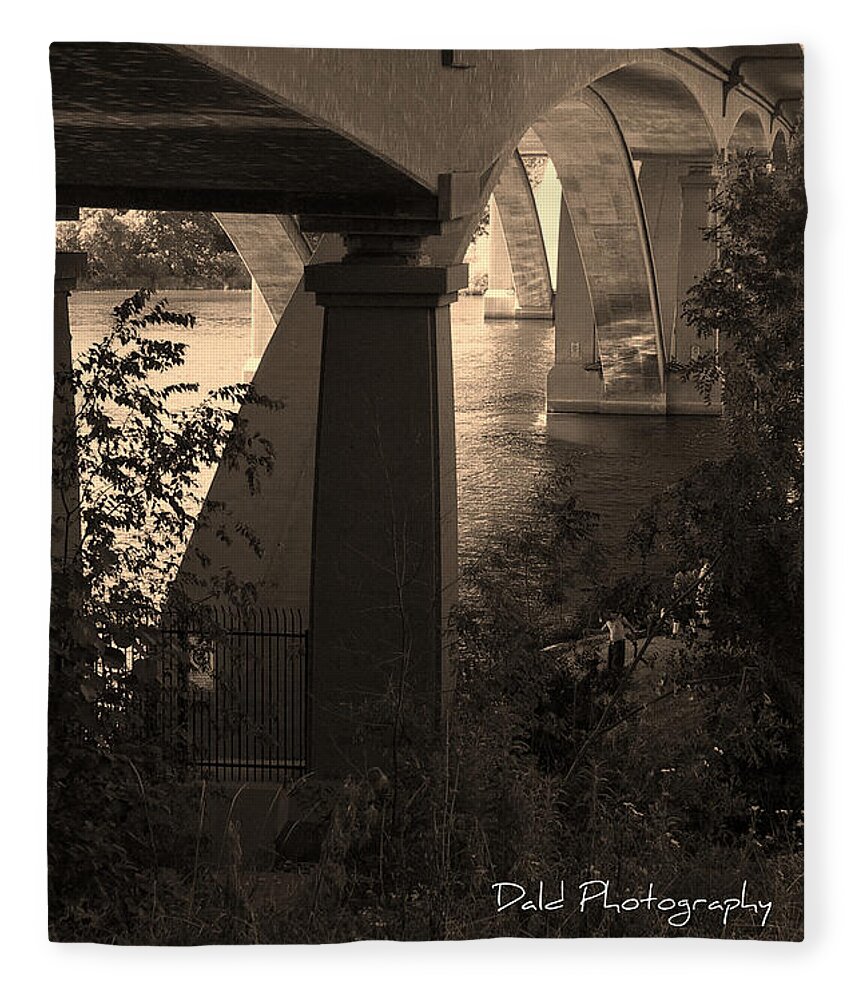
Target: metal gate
point(233, 701)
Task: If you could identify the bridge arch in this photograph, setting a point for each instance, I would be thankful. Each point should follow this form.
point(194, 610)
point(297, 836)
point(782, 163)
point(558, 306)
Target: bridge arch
point(657, 112)
point(274, 252)
point(779, 147)
point(661, 121)
point(632, 115)
point(749, 132)
point(587, 147)
point(624, 149)
point(674, 146)
point(289, 341)
point(521, 240)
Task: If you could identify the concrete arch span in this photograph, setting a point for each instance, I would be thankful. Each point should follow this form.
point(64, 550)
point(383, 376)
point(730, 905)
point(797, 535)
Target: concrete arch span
point(634, 153)
point(523, 241)
point(274, 251)
point(276, 266)
point(439, 103)
point(598, 181)
point(281, 512)
point(669, 135)
point(657, 112)
point(779, 147)
point(749, 132)
point(666, 105)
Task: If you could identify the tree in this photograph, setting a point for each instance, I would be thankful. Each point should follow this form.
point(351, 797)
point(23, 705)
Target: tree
point(535, 164)
point(170, 249)
point(128, 467)
point(139, 455)
point(742, 516)
point(752, 296)
point(483, 226)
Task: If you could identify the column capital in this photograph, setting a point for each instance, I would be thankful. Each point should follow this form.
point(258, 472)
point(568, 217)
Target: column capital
point(384, 286)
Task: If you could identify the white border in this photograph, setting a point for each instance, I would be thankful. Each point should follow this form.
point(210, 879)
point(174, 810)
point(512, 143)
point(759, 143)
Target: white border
point(643, 968)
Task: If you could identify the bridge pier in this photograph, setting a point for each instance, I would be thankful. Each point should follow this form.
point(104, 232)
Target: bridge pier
point(574, 383)
point(65, 494)
point(500, 299)
point(675, 196)
point(385, 532)
point(694, 257)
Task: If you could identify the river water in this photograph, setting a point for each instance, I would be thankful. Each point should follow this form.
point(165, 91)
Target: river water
point(503, 438)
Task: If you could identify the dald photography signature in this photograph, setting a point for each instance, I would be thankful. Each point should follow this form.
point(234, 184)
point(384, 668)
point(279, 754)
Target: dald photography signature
point(598, 894)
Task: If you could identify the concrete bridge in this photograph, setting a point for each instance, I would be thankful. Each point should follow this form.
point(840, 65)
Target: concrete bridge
point(392, 155)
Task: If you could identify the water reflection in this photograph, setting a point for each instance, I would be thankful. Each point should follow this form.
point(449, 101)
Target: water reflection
point(504, 437)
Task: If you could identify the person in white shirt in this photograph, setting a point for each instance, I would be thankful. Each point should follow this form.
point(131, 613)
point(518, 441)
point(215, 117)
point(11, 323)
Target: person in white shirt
point(617, 626)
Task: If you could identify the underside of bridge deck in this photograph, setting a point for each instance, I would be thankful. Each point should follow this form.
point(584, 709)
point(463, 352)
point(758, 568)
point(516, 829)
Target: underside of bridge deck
point(384, 153)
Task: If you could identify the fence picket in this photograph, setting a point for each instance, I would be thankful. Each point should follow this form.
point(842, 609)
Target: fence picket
point(233, 690)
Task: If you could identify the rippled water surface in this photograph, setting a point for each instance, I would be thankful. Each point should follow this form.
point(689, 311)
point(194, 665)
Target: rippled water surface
point(503, 440)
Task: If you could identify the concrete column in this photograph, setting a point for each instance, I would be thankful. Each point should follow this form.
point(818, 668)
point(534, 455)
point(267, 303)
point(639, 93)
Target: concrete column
point(694, 257)
point(384, 540)
point(574, 383)
point(65, 496)
point(660, 188)
point(500, 300)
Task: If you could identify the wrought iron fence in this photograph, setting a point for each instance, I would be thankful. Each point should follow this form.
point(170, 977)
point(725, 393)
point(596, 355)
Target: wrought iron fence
point(227, 689)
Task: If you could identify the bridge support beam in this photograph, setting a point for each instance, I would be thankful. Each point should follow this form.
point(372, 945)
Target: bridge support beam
point(500, 299)
point(385, 533)
point(598, 180)
point(574, 383)
point(694, 257)
point(65, 496)
point(676, 194)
